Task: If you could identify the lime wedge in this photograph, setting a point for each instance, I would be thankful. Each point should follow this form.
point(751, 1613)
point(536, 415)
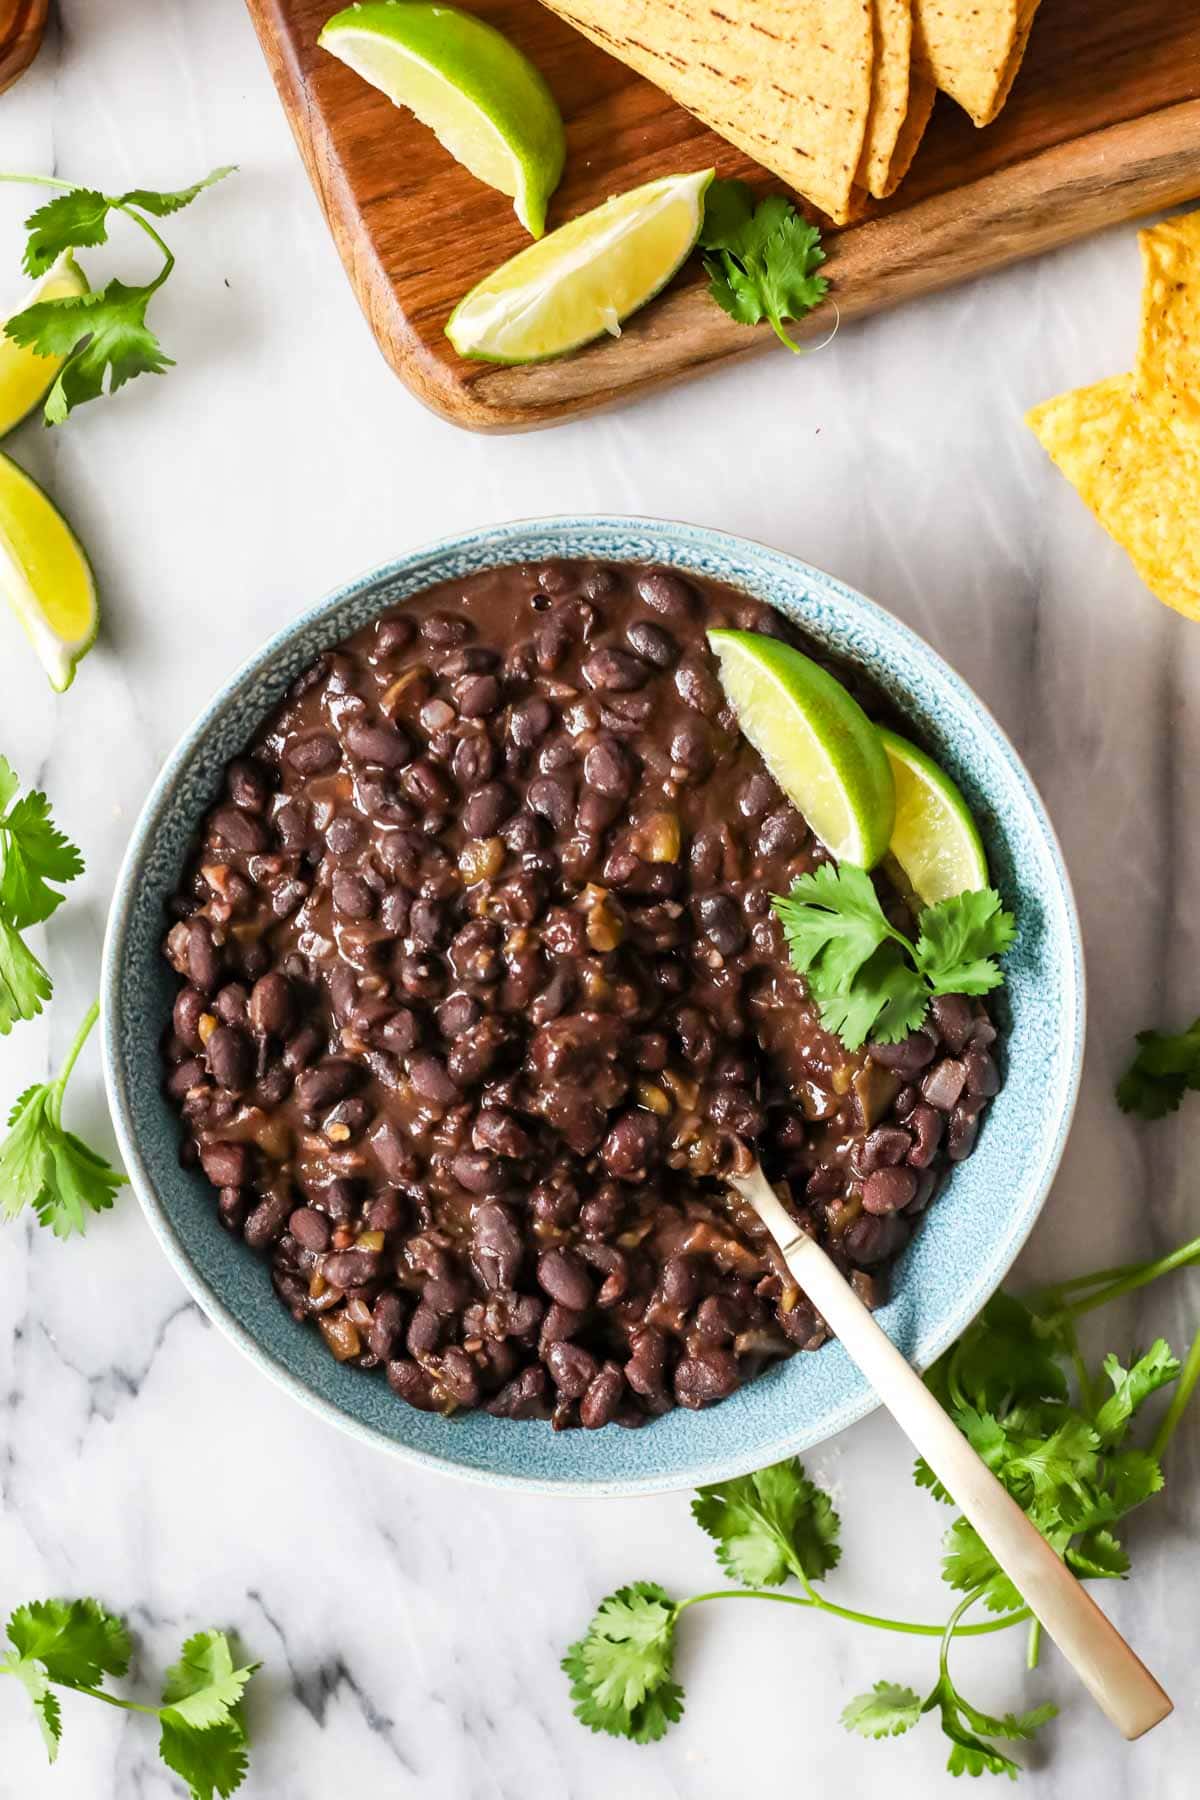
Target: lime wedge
point(585, 278)
point(45, 575)
point(483, 100)
point(25, 378)
point(817, 742)
point(934, 839)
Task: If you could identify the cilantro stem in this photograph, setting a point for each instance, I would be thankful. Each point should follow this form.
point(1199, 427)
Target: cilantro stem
point(1132, 1277)
point(1188, 1377)
point(1034, 1647)
point(111, 1699)
point(817, 1604)
point(138, 219)
point(67, 187)
point(64, 1075)
point(951, 1627)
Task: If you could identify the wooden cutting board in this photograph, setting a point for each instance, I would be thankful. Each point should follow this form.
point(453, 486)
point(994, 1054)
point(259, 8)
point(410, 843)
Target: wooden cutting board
point(1103, 124)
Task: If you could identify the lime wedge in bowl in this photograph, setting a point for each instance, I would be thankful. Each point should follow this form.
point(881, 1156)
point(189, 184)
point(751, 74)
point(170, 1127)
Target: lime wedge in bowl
point(26, 378)
point(934, 839)
point(585, 278)
point(45, 576)
point(815, 739)
point(483, 100)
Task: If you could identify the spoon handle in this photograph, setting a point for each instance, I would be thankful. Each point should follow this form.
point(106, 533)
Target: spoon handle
point(1115, 1677)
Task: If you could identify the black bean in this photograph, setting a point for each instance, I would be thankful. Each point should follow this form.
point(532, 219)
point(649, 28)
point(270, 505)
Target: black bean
point(189, 1004)
point(477, 696)
point(908, 1057)
point(320, 1088)
point(718, 917)
point(553, 798)
point(983, 1077)
point(572, 1368)
point(241, 831)
point(710, 1375)
point(231, 1209)
point(446, 1294)
point(954, 1020)
point(387, 1325)
point(718, 1320)
point(499, 1132)
point(679, 1283)
point(474, 762)
point(431, 1079)
point(529, 722)
point(345, 834)
point(498, 1248)
point(565, 1279)
point(351, 895)
point(884, 1147)
point(409, 1381)
point(926, 1126)
point(698, 688)
point(302, 1048)
point(310, 1229)
point(457, 1014)
point(600, 1402)
point(756, 794)
point(888, 1190)
point(249, 786)
point(524, 1397)
point(668, 594)
point(203, 957)
point(428, 924)
point(231, 1058)
point(312, 755)
point(271, 1004)
point(265, 1223)
point(458, 1377)
point(782, 833)
point(479, 1173)
point(487, 808)
point(652, 643)
point(445, 630)
point(691, 747)
point(609, 768)
point(185, 1076)
point(631, 1147)
point(963, 1129)
point(614, 671)
point(424, 1331)
point(427, 785)
point(394, 635)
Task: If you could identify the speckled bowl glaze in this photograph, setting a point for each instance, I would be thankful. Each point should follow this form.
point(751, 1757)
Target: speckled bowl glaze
point(967, 1240)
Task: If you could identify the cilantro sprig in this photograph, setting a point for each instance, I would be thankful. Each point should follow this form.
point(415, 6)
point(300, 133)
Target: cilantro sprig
point(1165, 1068)
point(763, 260)
point(34, 854)
point(75, 1644)
point(48, 1168)
point(103, 335)
point(870, 980)
point(1057, 1435)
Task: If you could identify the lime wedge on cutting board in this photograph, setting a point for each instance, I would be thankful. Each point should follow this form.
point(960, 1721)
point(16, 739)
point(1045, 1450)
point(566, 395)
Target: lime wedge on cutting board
point(585, 278)
point(934, 839)
point(815, 739)
point(45, 576)
point(483, 100)
point(25, 378)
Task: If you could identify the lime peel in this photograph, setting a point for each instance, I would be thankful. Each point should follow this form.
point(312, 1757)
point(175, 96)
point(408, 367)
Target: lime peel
point(25, 377)
point(483, 100)
point(45, 576)
point(935, 840)
point(816, 741)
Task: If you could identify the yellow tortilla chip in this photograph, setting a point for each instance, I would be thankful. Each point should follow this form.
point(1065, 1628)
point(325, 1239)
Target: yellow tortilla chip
point(1167, 371)
point(973, 49)
point(921, 96)
point(789, 83)
point(1140, 482)
point(889, 93)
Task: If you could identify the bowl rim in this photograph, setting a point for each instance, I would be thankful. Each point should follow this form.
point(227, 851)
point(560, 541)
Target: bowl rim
point(685, 537)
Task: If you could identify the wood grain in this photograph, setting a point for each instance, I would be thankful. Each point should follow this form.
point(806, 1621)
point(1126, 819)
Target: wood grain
point(22, 23)
point(1103, 124)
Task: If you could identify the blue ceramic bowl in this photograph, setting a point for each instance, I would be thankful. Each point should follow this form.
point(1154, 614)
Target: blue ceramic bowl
point(967, 1240)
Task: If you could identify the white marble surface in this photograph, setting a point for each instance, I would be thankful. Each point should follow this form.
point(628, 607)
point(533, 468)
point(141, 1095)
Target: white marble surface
point(411, 1628)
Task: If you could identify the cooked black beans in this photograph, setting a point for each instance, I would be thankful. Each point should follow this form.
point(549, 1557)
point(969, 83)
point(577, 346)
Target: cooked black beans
point(482, 998)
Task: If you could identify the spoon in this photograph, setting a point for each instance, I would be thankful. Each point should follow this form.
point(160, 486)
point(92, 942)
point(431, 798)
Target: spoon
point(1116, 1678)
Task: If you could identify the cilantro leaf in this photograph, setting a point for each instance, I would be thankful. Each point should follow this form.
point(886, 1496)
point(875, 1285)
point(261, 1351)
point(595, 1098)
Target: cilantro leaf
point(963, 1723)
point(72, 1642)
point(161, 205)
point(1131, 1387)
point(769, 1525)
point(886, 1711)
point(71, 221)
point(44, 1166)
point(35, 852)
point(1164, 1069)
point(856, 963)
point(968, 1564)
point(203, 1687)
point(959, 938)
point(102, 335)
point(24, 983)
point(76, 1641)
point(212, 1762)
point(764, 259)
point(620, 1670)
point(1098, 1556)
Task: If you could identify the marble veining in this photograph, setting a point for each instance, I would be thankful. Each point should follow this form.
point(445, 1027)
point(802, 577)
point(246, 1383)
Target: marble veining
point(410, 1626)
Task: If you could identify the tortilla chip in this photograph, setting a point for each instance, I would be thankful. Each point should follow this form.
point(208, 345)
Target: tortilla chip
point(790, 84)
point(921, 96)
point(973, 48)
point(1167, 371)
point(1142, 485)
point(889, 93)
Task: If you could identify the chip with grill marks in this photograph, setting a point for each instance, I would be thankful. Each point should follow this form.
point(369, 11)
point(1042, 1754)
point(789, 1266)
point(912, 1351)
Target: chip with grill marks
point(972, 49)
point(790, 84)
